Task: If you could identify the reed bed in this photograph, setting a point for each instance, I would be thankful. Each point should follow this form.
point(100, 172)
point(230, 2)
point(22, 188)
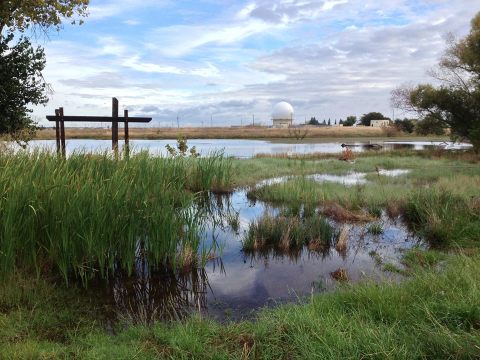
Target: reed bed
point(90, 214)
point(287, 233)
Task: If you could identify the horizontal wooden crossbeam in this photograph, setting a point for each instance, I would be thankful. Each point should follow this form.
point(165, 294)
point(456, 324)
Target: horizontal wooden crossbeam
point(100, 119)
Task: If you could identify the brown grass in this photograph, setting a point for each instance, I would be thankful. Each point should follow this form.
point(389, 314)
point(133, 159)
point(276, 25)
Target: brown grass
point(340, 274)
point(342, 241)
point(214, 133)
point(339, 213)
point(394, 209)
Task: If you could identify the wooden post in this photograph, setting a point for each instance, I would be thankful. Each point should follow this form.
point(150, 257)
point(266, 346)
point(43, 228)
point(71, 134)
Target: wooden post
point(127, 138)
point(57, 129)
point(115, 125)
point(62, 132)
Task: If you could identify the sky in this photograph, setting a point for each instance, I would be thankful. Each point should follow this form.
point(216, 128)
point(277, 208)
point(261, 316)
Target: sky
point(221, 62)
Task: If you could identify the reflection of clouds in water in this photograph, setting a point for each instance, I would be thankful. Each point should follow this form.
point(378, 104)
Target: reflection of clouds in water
point(243, 148)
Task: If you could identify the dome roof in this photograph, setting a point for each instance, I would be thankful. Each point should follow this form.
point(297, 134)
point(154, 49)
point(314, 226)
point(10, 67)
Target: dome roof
point(282, 111)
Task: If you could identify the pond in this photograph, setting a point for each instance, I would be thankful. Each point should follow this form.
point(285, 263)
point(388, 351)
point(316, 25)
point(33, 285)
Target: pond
point(239, 148)
point(235, 284)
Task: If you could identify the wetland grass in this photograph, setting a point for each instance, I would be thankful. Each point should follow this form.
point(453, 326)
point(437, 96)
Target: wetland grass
point(88, 214)
point(287, 233)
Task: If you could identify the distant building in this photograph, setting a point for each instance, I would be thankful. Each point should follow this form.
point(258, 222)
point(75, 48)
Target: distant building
point(379, 123)
point(282, 115)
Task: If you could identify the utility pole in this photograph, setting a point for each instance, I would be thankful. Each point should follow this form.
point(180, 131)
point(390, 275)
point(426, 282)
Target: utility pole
point(211, 120)
point(253, 119)
point(178, 122)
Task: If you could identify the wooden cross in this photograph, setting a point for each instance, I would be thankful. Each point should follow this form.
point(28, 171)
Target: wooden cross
point(60, 119)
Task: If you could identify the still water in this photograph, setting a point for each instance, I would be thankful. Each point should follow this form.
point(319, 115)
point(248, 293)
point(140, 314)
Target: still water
point(236, 147)
point(236, 284)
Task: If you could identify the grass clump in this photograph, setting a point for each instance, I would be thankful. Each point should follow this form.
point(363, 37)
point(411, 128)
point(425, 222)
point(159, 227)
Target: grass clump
point(89, 214)
point(444, 219)
point(288, 232)
point(418, 258)
point(375, 229)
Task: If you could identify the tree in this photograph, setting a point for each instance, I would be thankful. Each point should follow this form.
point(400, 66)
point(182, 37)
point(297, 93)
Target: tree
point(456, 102)
point(313, 121)
point(329, 122)
point(19, 15)
point(21, 66)
point(21, 84)
point(351, 120)
point(430, 125)
point(367, 118)
point(406, 125)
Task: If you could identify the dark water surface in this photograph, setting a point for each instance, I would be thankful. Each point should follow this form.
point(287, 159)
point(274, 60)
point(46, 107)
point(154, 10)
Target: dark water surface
point(238, 147)
point(234, 285)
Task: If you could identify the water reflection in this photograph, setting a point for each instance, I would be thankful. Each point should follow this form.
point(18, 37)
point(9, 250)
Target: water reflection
point(243, 148)
point(234, 286)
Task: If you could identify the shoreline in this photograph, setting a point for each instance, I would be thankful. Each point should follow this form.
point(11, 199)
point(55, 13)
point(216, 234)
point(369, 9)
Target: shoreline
point(274, 135)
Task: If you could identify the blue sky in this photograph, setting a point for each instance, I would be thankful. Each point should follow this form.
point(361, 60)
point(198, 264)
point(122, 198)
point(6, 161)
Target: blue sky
point(228, 60)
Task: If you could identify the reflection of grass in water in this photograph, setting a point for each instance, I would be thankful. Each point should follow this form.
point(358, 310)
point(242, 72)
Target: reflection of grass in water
point(86, 215)
point(288, 233)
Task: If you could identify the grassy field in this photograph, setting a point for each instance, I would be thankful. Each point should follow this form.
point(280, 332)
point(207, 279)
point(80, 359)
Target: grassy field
point(328, 133)
point(433, 314)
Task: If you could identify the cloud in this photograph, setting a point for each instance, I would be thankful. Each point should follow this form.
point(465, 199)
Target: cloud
point(328, 58)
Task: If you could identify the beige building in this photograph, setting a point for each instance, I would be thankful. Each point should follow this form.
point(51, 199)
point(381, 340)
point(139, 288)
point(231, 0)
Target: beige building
point(379, 123)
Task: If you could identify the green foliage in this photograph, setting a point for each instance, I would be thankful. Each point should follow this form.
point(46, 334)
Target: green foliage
point(456, 103)
point(313, 121)
point(182, 149)
point(367, 118)
point(350, 121)
point(405, 125)
point(21, 84)
point(19, 15)
point(430, 125)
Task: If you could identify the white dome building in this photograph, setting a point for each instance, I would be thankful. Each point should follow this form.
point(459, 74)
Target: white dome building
point(282, 115)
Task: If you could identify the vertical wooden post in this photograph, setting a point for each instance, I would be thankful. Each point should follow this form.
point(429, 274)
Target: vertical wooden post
point(62, 132)
point(127, 136)
point(115, 125)
point(57, 129)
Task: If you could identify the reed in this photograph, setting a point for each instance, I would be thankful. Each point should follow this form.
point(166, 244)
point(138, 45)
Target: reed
point(90, 214)
point(286, 233)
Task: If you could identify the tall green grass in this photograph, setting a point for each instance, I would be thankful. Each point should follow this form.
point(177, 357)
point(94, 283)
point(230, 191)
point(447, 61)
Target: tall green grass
point(88, 214)
point(288, 233)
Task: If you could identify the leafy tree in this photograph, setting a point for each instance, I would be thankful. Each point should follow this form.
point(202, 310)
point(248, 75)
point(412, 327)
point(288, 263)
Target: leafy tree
point(367, 118)
point(19, 15)
point(324, 122)
point(351, 120)
point(406, 125)
point(456, 102)
point(430, 125)
point(21, 80)
point(341, 122)
point(329, 122)
point(313, 121)
point(21, 84)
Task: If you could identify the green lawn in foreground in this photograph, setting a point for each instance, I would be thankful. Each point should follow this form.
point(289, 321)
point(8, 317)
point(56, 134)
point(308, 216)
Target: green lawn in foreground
point(433, 314)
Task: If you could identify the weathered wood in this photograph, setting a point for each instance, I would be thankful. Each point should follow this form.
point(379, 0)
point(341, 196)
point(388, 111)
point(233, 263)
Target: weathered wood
point(101, 119)
point(60, 119)
point(115, 124)
point(127, 137)
point(62, 132)
point(57, 129)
